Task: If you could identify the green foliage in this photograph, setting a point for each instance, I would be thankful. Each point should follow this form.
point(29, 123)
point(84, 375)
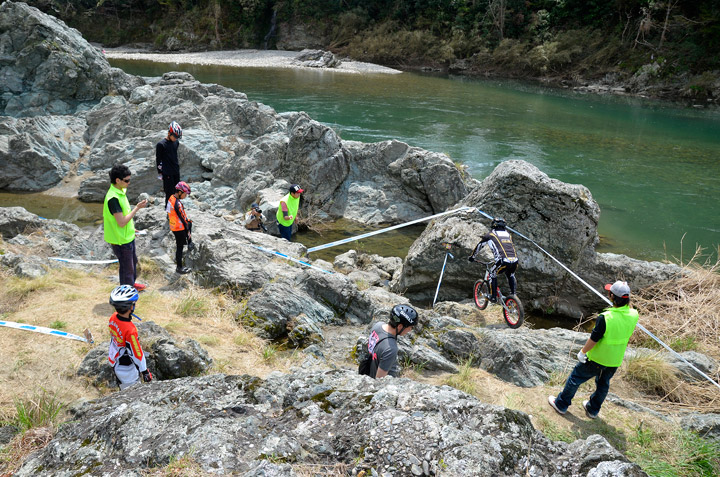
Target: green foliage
point(41, 410)
point(683, 453)
point(192, 305)
point(58, 324)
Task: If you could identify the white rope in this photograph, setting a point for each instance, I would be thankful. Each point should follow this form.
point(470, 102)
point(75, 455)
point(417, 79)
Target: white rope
point(381, 231)
point(48, 331)
point(607, 300)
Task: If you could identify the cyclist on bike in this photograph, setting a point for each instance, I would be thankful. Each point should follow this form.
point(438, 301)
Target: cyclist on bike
point(506, 260)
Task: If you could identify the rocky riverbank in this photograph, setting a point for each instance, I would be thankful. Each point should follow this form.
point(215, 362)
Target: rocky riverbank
point(69, 116)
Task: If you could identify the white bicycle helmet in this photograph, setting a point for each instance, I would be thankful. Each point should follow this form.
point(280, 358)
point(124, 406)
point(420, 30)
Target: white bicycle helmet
point(124, 297)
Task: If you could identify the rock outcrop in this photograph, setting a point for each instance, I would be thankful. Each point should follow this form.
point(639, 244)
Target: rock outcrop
point(287, 422)
point(233, 152)
point(166, 358)
point(46, 67)
point(561, 217)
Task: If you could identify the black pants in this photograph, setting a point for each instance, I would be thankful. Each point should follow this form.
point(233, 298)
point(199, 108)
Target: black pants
point(181, 238)
point(127, 262)
point(508, 268)
point(169, 183)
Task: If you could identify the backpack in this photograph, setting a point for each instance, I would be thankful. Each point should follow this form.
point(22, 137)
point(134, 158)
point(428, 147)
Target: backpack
point(365, 365)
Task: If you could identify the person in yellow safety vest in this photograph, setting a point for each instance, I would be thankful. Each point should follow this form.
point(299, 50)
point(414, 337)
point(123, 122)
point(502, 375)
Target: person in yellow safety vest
point(180, 225)
point(603, 352)
point(287, 211)
point(119, 227)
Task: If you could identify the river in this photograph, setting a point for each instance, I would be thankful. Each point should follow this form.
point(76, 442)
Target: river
point(653, 167)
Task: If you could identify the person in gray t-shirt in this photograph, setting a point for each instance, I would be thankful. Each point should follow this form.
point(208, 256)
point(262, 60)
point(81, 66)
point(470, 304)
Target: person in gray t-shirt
point(382, 342)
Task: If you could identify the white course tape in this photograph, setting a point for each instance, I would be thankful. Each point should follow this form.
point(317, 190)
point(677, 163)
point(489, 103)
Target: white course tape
point(48, 331)
point(370, 234)
point(90, 262)
point(266, 250)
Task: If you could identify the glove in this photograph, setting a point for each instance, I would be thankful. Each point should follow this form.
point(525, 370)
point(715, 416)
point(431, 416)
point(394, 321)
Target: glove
point(582, 357)
point(471, 258)
point(147, 376)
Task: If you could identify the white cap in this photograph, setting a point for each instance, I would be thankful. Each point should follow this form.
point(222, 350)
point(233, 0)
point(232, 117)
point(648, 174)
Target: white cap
point(619, 288)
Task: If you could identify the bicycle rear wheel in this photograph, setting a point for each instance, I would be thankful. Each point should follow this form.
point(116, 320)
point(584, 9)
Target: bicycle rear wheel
point(481, 293)
point(513, 312)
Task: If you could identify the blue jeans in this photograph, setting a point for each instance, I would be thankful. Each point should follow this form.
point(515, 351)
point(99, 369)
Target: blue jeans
point(581, 373)
point(285, 232)
point(127, 262)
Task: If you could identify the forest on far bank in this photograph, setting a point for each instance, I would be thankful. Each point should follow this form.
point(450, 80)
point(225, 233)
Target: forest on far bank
point(671, 44)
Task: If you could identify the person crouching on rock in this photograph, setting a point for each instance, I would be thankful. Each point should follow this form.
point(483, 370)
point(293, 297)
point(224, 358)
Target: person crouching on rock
point(382, 342)
point(254, 218)
point(125, 354)
point(180, 225)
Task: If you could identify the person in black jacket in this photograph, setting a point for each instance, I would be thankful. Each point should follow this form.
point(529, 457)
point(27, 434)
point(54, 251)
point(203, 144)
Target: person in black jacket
point(166, 159)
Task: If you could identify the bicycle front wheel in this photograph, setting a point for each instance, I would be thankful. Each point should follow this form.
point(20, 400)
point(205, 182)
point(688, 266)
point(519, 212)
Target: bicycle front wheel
point(513, 312)
point(481, 293)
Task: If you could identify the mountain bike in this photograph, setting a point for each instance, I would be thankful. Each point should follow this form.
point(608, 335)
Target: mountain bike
point(512, 307)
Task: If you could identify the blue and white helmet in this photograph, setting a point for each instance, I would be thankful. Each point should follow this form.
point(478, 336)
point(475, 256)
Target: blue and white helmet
point(124, 297)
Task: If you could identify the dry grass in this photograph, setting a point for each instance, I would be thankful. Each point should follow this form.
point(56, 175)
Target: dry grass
point(684, 309)
point(685, 314)
point(21, 446)
point(655, 376)
point(80, 300)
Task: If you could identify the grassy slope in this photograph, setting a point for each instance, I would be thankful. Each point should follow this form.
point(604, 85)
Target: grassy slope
point(77, 299)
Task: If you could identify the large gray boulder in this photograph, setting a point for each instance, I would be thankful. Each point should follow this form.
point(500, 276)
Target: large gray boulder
point(36, 153)
point(561, 218)
point(166, 358)
point(47, 67)
point(249, 426)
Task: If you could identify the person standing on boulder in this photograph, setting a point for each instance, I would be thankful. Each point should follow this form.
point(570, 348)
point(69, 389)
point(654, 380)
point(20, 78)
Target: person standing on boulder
point(166, 159)
point(603, 352)
point(287, 211)
point(119, 226)
point(506, 260)
point(180, 225)
point(125, 354)
point(382, 342)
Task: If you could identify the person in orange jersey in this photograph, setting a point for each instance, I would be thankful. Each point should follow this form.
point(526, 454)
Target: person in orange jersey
point(126, 355)
point(180, 225)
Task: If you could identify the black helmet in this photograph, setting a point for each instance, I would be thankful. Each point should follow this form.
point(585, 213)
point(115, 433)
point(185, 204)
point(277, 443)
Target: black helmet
point(498, 223)
point(403, 314)
point(123, 298)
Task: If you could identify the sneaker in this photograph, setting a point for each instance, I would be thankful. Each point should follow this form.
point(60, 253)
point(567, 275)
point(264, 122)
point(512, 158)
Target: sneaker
point(140, 287)
point(587, 413)
point(551, 401)
point(183, 270)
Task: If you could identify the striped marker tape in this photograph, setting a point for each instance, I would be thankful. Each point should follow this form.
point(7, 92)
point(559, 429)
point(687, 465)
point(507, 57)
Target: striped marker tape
point(292, 259)
point(90, 262)
point(49, 331)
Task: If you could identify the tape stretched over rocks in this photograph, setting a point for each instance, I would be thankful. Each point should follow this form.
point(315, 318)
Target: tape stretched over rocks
point(88, 262)
point(49, 331)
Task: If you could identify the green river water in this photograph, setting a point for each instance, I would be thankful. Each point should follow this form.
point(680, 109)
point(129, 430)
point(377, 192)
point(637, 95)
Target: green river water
point(654, 168)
